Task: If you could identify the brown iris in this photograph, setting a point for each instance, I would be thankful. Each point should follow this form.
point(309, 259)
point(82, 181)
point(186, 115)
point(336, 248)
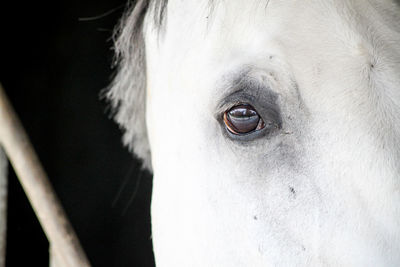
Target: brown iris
point(243, 119)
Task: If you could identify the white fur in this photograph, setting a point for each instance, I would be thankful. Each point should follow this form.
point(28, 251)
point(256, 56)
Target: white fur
point(219, 203)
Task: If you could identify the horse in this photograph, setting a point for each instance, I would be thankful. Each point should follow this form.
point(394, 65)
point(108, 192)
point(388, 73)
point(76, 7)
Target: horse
point(272, 129)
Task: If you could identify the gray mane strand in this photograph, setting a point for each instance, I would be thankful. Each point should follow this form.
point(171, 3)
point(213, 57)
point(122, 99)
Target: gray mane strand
point(127, 92)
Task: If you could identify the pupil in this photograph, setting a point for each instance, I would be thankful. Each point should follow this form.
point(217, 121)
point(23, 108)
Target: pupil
point(242, 111)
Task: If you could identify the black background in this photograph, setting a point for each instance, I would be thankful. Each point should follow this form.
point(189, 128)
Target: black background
point(53, 67)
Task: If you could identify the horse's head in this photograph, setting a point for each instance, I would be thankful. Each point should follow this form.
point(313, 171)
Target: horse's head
point(273, 126)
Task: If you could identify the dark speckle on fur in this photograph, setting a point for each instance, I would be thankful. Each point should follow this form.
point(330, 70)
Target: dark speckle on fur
point(292, 191)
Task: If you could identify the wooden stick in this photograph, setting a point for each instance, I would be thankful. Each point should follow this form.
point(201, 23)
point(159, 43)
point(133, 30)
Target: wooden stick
point(38, 189)
point(3, 207)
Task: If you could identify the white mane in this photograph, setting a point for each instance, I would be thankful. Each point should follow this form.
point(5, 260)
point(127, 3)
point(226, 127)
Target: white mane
point(127, 93)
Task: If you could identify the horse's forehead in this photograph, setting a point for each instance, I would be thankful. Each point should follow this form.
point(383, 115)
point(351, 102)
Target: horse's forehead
point(226, 26)
point(245, 17)
point(212, 34)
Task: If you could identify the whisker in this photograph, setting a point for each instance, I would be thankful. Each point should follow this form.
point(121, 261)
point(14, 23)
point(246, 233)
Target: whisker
point(134, 193)
point(101, 15)
point(123, 185)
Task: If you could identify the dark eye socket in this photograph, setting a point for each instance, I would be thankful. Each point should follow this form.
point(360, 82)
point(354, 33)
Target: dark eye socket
point(243, 119)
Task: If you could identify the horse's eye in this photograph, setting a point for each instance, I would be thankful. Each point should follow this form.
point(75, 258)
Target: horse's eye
point(243, 119)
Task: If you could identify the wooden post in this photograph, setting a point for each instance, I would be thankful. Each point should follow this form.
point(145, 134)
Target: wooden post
point(38, 189)
point(3, 207)
point(53, 258)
